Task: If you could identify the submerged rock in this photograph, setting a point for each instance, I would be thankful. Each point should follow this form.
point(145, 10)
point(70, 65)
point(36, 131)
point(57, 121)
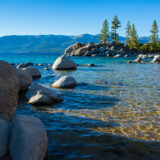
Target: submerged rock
point(9, 88)
point(64, 63)
point(64, 82)
point(25, 79)
point(41, 95)
point(4, 137)
point(28, 139)
point(35, 73)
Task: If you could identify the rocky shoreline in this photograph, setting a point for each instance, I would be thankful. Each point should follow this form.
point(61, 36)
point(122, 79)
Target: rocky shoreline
point(102, 50)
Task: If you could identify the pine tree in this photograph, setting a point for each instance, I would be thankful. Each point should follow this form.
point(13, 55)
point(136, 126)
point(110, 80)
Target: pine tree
point(104, 35)
point(154, 32)
point(128, 30)
point(133, 40)
point(115, 25)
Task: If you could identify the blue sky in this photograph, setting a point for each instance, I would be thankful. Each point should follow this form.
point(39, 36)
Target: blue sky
point(74, 17)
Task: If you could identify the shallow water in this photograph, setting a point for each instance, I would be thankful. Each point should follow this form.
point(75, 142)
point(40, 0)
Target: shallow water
point(115, 116)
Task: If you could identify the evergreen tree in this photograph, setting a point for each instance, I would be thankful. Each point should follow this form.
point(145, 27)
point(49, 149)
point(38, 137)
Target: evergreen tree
point(154, 32)
point(133, 40)
point(115, 25)
point(128, 30)
point(104, 35)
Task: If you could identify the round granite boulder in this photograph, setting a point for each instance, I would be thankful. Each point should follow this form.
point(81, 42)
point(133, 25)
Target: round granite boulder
point(34, 72)
point(25, 79)
point(28, 140)
point(64, 63)
point(65, 82)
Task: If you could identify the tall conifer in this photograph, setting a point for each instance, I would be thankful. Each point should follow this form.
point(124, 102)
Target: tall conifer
point(115, 25)
point(154, 33)
point(128, 30)
point(104, 35)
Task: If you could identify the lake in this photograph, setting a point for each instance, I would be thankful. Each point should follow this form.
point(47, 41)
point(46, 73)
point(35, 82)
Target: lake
point(116, 115)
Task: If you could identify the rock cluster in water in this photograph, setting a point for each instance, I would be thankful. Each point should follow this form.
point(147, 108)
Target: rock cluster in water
point(100, 49)
point(22, 137)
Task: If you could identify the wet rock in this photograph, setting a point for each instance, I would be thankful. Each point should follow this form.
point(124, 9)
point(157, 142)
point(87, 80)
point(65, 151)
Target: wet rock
point(35, 73)
point(91, 65)
point(64, 63)
point(9, 88)
point(64, 82)
point(25, 79)
point(28, 139)
point(156, 59)
point(4, 137)
point(41, 95)
point(24, 65)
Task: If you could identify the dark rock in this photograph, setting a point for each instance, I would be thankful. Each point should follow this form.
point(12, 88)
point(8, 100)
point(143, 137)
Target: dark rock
point(9, 88)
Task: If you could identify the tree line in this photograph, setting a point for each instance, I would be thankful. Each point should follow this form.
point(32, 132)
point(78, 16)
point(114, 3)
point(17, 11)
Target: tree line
point(131, 36)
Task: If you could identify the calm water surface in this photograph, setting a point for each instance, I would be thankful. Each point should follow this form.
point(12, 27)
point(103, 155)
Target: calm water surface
point(115, 116)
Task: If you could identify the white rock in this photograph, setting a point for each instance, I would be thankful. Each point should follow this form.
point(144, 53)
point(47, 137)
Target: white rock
point(156, 59)
point(28, 139)
point(35, 73)
point(64, 82)
point(64, 63)
point(41, 95)
point(117, 56)
point(4, 137)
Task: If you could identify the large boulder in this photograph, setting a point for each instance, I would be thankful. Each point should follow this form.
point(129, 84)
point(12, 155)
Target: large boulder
point(25, 79)
point(64, 63)
point(9, 88)
point(35, 73)
point(156, 59)
point(28, 139)
point(73, 48)
point(41, 95)
point(81, 51)
point(64, 82)
point(4, 137)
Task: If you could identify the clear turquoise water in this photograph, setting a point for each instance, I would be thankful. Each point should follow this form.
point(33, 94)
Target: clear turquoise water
point(115, 116)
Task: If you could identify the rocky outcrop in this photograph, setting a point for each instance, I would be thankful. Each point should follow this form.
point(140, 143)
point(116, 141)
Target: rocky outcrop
point(73, 48)
point(35, 73)
point(100, 49)
point(25, 79)
point(4, 137)
point(41, 95)
point(64, 82)
point(64, 63)
point(9, 88)
point(28, 139)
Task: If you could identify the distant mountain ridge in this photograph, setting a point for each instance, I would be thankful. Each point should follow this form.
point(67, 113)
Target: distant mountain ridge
point(47, 43)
